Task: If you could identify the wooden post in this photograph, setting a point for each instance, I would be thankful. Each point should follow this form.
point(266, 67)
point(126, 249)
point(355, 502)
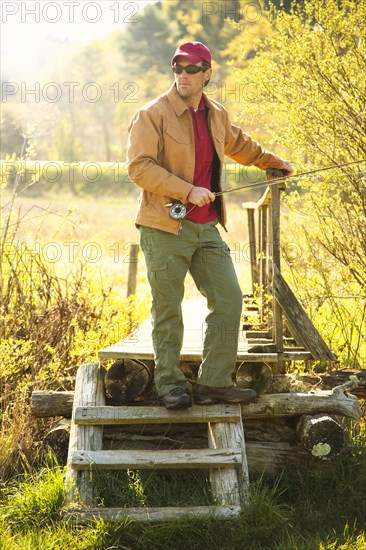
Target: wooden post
point(276, 254)
point(89, 391)
point(132, 269)
point(263, 275)
point(252, 248)
point(231, 487)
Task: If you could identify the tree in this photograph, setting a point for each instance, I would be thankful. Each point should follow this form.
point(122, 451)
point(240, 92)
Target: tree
point(11, 135)
point(149, 42)
point(309, 78)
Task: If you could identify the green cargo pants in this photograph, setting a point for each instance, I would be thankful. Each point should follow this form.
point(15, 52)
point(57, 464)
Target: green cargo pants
point(200, 250)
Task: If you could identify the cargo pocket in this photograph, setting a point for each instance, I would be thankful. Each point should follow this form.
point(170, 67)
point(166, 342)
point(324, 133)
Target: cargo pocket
point(157, 273)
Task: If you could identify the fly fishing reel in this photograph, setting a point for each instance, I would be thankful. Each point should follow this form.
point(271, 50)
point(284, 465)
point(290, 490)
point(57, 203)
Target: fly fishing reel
point(177, 210)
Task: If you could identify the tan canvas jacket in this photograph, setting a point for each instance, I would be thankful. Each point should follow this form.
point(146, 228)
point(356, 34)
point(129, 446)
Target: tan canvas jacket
point(160, 156)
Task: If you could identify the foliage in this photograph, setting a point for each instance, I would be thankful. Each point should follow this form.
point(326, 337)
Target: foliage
point(309, 77)
point(80, 178)
point(55, 317)
point(163, 25)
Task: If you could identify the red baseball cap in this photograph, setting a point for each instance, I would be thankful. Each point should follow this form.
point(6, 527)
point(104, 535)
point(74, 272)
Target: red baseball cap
point(193, 52)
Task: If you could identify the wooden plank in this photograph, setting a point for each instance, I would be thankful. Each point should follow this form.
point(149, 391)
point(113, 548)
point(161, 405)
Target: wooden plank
point(299, 322)
point(119, 460)
point(229, 486)
point(89, 390)
point(256, 334)
point(155, 415)
point(139, 344)
point(151, 515)
point(123, 350)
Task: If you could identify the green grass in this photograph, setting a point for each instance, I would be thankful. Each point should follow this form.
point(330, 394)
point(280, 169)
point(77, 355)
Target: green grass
point(300, 510)
point(152, 488)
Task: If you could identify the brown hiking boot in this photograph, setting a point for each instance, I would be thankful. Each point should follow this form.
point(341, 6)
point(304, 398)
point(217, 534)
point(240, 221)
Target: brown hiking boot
point(176, 398)
point(206, 395)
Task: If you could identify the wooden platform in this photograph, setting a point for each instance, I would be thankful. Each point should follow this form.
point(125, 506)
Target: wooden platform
point(139, 344)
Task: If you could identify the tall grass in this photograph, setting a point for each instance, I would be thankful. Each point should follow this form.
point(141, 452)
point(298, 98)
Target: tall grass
point(274, 519)
point(55, 316)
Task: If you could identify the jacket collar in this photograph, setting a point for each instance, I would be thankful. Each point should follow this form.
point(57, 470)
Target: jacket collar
point(176, 101)
point(178, 104)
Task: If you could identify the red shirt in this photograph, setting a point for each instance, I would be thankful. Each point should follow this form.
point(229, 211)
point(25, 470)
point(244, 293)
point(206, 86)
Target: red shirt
point(204, 154)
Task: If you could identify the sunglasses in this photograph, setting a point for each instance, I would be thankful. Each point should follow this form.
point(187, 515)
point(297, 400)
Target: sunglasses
point(190, 69)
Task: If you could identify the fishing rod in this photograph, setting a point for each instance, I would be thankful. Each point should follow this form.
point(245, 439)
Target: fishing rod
point(178, 210)
point(283, 178)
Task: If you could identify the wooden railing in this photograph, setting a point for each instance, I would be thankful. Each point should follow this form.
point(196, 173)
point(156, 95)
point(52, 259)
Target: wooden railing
point(267, 280)
point(265, 253)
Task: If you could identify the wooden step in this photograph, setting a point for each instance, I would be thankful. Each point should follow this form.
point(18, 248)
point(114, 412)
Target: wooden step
point(256, 334)
point(120, 460)
point(155, 415)
point(225, 456)
point(165, 513)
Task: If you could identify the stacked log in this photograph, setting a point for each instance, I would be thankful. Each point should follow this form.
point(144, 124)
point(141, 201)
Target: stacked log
point(281, 429)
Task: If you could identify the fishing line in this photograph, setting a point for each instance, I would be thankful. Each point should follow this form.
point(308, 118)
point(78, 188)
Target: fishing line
point(178, 210)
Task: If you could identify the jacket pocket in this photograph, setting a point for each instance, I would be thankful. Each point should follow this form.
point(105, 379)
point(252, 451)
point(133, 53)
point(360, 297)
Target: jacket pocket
point(177, 134)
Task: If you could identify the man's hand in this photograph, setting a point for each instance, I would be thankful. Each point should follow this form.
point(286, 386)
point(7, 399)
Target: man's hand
point(200, 196)
point(287, 168)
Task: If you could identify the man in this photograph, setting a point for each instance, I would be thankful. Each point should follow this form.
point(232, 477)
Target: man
point(176, 150)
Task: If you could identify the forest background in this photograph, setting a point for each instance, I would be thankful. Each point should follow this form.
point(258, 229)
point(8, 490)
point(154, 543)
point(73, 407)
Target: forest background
point(291, 74)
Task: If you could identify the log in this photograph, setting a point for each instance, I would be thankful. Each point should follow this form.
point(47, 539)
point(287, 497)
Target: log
point(335, 401)
point(128, 379)
point(257, 376)
point(266, 406)
point(46, 403)
point(191, 436)
point(322, 435)
point(270, 459)
point(173, 436)
point(334, 378)
point(89, 390)
point(57, 439)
